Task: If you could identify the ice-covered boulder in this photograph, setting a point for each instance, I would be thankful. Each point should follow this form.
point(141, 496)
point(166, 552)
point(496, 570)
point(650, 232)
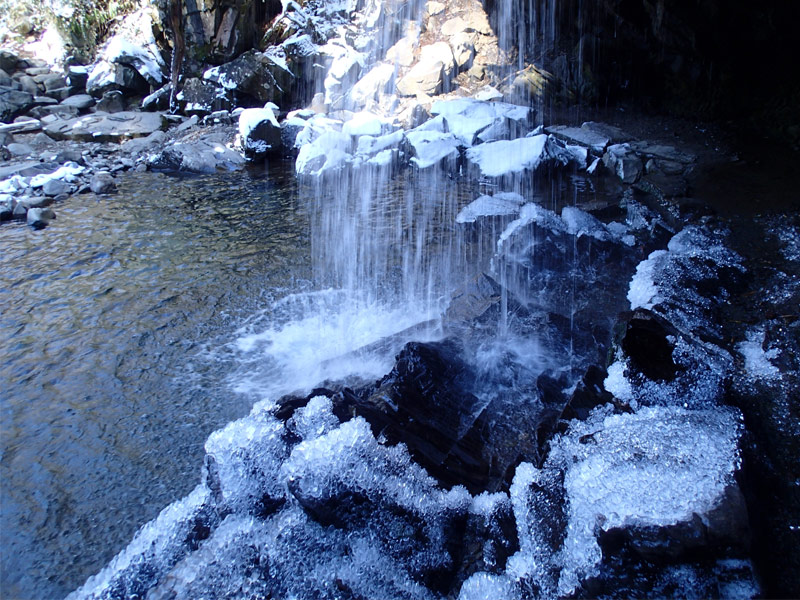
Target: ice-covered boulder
point(432, 147)
point(502, 204)
point(506, 157)
point(260, 131)
point(255, 75)
point(622, 160)
point(376, 82)
point(468, 118)
point(127, 66)
point(328, 152)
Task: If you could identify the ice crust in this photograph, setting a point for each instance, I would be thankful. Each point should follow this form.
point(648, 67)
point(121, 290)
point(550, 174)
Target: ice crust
point(501, 204)
point(757, 359)
point(432, 147)
point(467, 117)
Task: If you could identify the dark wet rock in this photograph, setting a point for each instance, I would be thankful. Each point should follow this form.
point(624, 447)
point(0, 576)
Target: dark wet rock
point(253, 75)
point(103, 183)
point(13, 103)
point(106, 127)
point(260, 132)
point(158, 100)
point(8, 61)
point(649, 342)
point(199, 97)
point(137, 146)
point(200, 156)
point(79, 101)
point(77, 76)
point(490, 537)
point(624, 162)
point(578, 135)
point(20, 211)
point(114, 76)
point(27, 84)
point(113, 101)
point(69, 155)
point(5, 79)
point(588, 395)
point(37, 201)
point(39, 218)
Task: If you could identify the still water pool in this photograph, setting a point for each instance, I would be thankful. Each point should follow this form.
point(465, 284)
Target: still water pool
point(115, 324)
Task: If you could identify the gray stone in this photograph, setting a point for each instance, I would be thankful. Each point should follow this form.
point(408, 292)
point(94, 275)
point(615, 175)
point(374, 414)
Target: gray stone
point(79, 101)
point(59, 110)
point(140, 145)
point(622, 160)
point(77, 76)
point(53, 82)
point(27, 84)
point(463, 48)
point(201, 156)
point(8, 61)
point(37, 201)
point(5, 79)
point(7, 205)
point(54, 187)
point(431, 74)
point(26, 126)
point(158, 100)
point(19, 212)
point(39, 218)
point(614, 134)
point(581, 136)
point(44, 100)
point(38, 72)
point(13, 103)
point(19, 149)
point(112, 102)
point(106, 127)
point(103, 183)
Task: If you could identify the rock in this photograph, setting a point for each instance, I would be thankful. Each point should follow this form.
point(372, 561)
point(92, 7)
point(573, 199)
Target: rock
point(79, 101)
point(56, 110)
point(431, 74)
point(463, 48)
point(614, 134)
point(158, 100)
point(17, 149)
point(8, 61)
point(478, 21)
point(402, 53)
point(39, 218)
point(502, 204)
point(112, 102)
point(433, 8)
point(103, 183)
point(254, 75)
point(260, 132)
point(37, 201)
point(5, 79)
point(202, 97)
point(470, 119)
point(432, 147)
point(125, 66)
point(20, 212)
point(77, 76)
point(13, 103)
point(376, 82)
point(53, 81)
point(138, 146)
point(110, 76)
point(23, 126)
point(7, 205)
point(69, 155)
point(622, 160)
point(201, 156)
point(106, 127)
point(54, 187)
point(581, 136)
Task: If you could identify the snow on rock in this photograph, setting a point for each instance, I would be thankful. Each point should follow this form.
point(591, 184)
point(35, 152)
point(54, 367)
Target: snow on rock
point(580, 136)
point(364, 123)
point(259, 129)
point(467, 117)
point(655, 468)
point(371, 86)
point(501, 204)
point(757, 360)
point(328, 152)
point(432, 147)
point(68, 172)
point(496, 159)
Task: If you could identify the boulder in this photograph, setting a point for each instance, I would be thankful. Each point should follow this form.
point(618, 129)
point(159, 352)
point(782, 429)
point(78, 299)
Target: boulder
point(54, 187)
point(199, 97)
point(106, 127)
point(13, 103)
point(376, 82)
point(158, 100)
point(19, 149)
point(8, 61)
point(79, 101)
point(107, 76)
point(77, 76)
point(201, 156)
point(431, 74)
point(57, 110)
point(112, 102)
point(39, 218)
point(622, 160)
point(259, 130)
point(463, 49)
point(255, 75)
point(103, 183)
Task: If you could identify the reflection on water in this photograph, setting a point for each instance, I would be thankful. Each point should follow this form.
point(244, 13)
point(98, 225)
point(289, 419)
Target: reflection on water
point(110, 377)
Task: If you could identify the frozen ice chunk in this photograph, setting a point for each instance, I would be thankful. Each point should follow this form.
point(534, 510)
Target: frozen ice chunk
point(757, 360)
point(496, 159)
point(363, 123)
point(314, 419)
point(482, 586)
point(466, 117)
point(242, 463)
point(581, 223)
point(432, 147)
point(501, 204)
point(657, 467)
point(329, 152)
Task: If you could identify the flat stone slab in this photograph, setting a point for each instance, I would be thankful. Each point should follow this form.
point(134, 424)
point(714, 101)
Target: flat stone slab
point(106, 127)
point(578, 135)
